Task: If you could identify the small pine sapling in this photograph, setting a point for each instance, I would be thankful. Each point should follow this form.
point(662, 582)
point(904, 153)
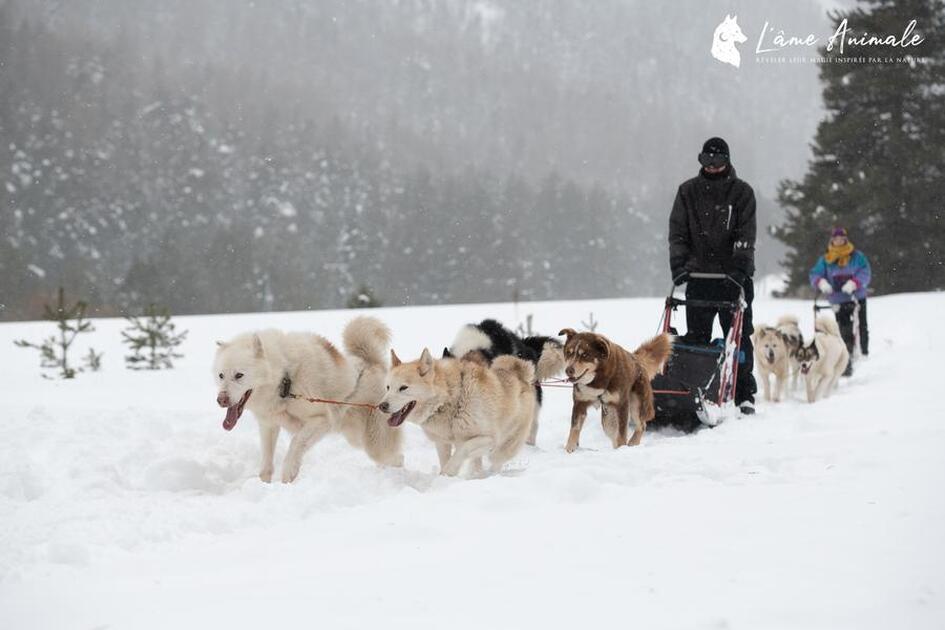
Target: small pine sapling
point(152, 339)
point(93, 360)
point(53, 351)
point(525, 329)
point(591, 323)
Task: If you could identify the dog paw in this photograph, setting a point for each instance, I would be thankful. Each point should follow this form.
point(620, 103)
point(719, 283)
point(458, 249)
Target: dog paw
point(289, 474)
point(450, 470)
point(570, 448)
point(265, 475)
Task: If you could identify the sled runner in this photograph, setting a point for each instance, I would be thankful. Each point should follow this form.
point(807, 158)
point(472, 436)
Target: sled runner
point(697, 385)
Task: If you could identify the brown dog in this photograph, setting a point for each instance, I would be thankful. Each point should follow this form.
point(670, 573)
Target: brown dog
point(606, 375)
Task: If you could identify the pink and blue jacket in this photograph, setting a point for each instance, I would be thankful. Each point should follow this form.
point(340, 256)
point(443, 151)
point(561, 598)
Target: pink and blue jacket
point(858, 270)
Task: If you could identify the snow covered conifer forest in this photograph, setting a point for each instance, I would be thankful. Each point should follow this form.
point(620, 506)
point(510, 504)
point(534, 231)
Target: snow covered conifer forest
point(297, 151)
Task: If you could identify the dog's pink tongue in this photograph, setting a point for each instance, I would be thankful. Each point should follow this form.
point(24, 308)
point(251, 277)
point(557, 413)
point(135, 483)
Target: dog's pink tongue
point(232, 415)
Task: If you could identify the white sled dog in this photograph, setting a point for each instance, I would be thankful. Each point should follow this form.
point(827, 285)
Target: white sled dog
point(790, 329)
point(466, 408)
point(258, 371)
point(772, 359)
point(824, 359)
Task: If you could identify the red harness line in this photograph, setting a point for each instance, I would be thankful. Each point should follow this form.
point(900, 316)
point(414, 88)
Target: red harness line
point(552, 383)
point(328, 401)
point(563, 383)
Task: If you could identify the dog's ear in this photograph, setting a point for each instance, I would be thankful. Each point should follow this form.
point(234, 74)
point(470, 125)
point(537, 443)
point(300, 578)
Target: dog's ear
point(426, 362)
point(567, 332)
point(221, 344)
point(394, 359)
point(257, 347)
point(603, 346)
point(447, 354)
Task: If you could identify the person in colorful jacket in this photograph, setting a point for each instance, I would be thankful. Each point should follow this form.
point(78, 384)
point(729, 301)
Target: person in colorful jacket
point(843, 275)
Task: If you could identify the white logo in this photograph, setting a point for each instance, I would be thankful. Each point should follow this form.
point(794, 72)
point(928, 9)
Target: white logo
point(727, 34)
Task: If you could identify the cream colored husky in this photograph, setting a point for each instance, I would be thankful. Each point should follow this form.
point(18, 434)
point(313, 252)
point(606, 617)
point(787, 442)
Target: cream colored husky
point(790, 329)
point(772, 358)
point(466, 408)
point(823, 361)
point(257, 370)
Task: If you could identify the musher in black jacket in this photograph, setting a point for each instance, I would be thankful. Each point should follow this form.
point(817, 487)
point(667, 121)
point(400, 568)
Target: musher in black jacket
point(712, 229)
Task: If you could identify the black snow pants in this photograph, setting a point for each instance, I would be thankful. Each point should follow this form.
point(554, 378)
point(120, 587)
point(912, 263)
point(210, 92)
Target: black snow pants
point(845, 321)
point(699, 326)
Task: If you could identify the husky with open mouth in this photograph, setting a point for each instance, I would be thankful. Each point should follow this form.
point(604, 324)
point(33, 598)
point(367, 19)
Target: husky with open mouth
point(467, 409)
point(823, 360)
point(608, 376)
point(258, 371)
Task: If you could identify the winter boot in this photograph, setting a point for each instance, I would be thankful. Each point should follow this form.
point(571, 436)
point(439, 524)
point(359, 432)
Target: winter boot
point(747, 408)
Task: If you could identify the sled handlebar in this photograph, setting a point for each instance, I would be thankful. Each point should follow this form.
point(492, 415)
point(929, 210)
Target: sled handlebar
point(702, 275)
point(820, 306)
point(699, 275)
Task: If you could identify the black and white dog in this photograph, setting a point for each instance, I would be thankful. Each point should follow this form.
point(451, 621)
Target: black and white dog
point(489, 339)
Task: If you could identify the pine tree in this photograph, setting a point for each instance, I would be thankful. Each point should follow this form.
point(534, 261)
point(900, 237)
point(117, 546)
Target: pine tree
point(152, 339)
point(878, 164)
point(54, 352)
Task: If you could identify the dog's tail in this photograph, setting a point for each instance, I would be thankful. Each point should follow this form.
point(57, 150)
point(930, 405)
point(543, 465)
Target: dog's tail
point(827, 325)
point(522, 370)
point(550, 354)
point(470, 338)
point(787, 320)
point(644, 391)
point(368, 339)
point(654, 353)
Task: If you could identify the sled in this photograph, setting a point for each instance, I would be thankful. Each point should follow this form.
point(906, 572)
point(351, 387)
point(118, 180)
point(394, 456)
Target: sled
point(697, 385)
point(835, 308)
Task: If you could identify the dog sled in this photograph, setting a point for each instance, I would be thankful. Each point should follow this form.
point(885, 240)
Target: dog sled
point(697, 385)
point(835, 309)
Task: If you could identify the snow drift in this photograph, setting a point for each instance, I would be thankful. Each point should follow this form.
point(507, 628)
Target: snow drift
point(124, 505)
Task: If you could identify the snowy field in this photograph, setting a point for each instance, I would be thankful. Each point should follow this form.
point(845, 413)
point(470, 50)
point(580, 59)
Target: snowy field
point(124, 504)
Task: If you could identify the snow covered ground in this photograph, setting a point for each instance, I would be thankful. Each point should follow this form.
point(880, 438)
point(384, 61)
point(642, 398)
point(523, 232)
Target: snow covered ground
point(123, 504)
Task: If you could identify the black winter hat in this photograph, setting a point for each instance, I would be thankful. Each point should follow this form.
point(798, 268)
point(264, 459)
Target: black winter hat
point(715, 146)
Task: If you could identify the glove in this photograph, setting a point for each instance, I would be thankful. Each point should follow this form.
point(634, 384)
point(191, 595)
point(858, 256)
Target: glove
point(824, 286)
point(681, 277)
point(848, 287)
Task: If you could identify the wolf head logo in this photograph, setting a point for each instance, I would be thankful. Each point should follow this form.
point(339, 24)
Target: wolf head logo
point(727, 34)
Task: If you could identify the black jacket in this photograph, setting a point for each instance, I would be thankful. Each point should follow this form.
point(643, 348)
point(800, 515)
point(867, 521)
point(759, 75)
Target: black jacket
point(712, 226)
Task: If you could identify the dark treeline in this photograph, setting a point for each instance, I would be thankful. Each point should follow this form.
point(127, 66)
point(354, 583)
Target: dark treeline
point(219, 157)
